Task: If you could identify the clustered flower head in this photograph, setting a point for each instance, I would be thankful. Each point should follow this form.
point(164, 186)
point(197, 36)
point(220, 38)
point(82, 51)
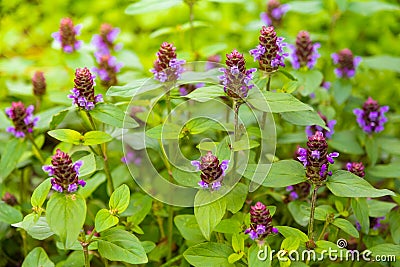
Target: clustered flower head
point(236, 79)
point(305, 52)
point(274, 13)
point(83, 91)
point(310, 130)
point(269, 52)
point(10, 199)
point(260, 222)
point(38, 83)
point(347, 63)
point(357, 168)
point(298, 191)
point(22, 118)
point(167, 67)
point(107, 69)
point(104, 42)
point(212, 171)
point(65, 173)
point(66, 36)
point(371, 117)
point(316, 158)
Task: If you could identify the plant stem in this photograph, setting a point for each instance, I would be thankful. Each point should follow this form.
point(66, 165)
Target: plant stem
point(267, 88)
point(103, 153)
point(311, 222)
point(323, 230)
point(86, 254)
point(236, 106)
point(174, 259)
point(38, 154)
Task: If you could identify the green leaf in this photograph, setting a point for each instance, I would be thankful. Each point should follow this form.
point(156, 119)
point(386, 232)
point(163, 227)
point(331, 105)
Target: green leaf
point(203, 94)
point(208, 254)
point(288, 232)
point(360, 209)
point(345, 184)
point(304, 118)
point(65, 214)
point(12, 152)
point(35, 226)
point(200, 125)
point(165, 131)
point(290, 244)
point(372, 150)
point(287, 74)
point(9, 214)
point(229, 226)
point(89, 165)
point(385, 249)
point(346, 142)
point(140, 206)
point(299, 213)
point(306, 7)
point(346, 226)
point(391, 170)
point(188, 227)
point(96, 137)
point(37, 257)
point(58, 118)
point(112, 115)
point(244, 144)
point(40, 193)
point(283, 173)
point(208, 216)
point(383, 62)
point(236, 197)
point(104, 220)
point(371, 7)
point(276, 102)
point(394, 219)
point(119, 199)
point(379, 208)
point(341, 90)
point(390, 145)
point(234, 257)
point(67, 135)
point(145, 6)
point(135, 88)
point(238, 242)
point(255, 256)
point(119, 245)
point(308, 81)
point(76, 258)
point(92, 184)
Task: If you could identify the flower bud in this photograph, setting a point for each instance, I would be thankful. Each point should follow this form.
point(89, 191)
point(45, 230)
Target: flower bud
point(22, 119)
point(66, 36)
point(167, 67)
point(260, 222)
point(346, 62)
point(357, 168)
point(274, 13)
point(305, 52)
point(39, 83)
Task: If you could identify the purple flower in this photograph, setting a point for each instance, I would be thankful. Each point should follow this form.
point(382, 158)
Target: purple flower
point(358, 225)
point(260, 222)
point(274, 13)
point(236, 79)
point(22, 119)
point(297, 191)
point(66, 36)
point(132, 157)
point(316, 158)
point(64, 172)
point(346, 62)
point(108, 67)
point(376, 223)
point(83, 91)
point(269, 53)
point(9, 199)
point(167, 67)
point(310, 130)
point(104, 41)
point(371, 117)
point(304, 53)
point(186, 89)
point(212, 62)
point(212, 171)
point(357, 168)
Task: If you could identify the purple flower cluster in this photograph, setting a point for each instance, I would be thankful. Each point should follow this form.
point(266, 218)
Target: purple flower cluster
point(298, 191)
point(374, 222)
point(108, 67)
point(357, 168)
point(83, 91)
point(65, 173)
point(274, 13)
point(39, 84)
point(236, 79)
point(22, 119)
point(167, 67)
point(260, 222)
point(305, 52)
point(212, 171)
point(316, 158)
point(371, 117)
point(269, 53)
point(347, 63)
point(66, 36)
point(310, 130)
